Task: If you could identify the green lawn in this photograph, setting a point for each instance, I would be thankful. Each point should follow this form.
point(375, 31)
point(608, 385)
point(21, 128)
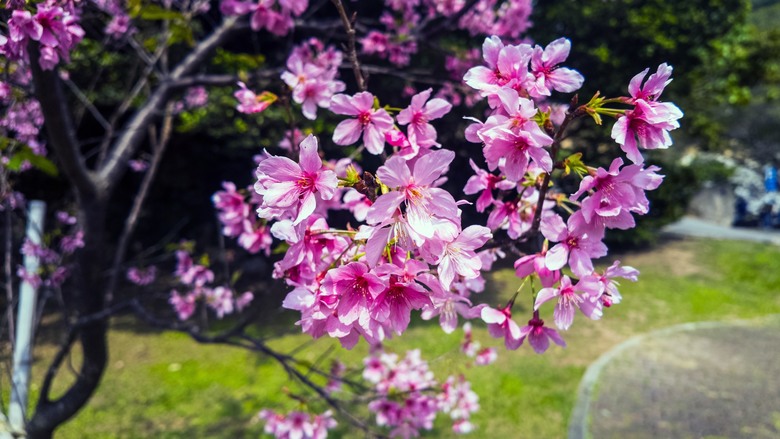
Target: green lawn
point(166, 386)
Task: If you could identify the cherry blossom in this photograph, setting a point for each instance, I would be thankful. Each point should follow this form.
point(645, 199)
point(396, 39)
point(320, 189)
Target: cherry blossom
point(370, 122)
point(419, 113)
point(294, 187)
point(539, 336)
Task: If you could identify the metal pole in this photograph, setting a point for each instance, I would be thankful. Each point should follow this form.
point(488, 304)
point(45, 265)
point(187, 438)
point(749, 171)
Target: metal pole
point(28, 296)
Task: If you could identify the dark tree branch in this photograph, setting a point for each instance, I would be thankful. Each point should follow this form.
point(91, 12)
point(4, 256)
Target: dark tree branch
point(59, 125)
point(132, 137)
point(139, 86)
point(237, 337)
point(221, 80)
point(352, 49)
point(419, 76)
point(51, 372)
point(446, 24)
point(159, 145)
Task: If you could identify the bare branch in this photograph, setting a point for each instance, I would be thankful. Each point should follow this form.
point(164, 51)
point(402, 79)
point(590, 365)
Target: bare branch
point(88, 105)
point(420, 76)
point(159, 146)
point(445, 24)
point(143, 80)
point(223, 79)
point(132, 137)
point(55, 364)
point(352, 50)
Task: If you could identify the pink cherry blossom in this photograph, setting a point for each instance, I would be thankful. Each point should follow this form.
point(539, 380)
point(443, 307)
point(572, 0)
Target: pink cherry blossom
point(486, 357)
point(458, 257)
point(650, 121)
point(371, 123)
point(507, 66)
point(544, 66)
point(446, 305)
point(573, 246)
point(419, 113)
point(221, 300)
point(356, 288)
point(501, 325)
point(232, 207)
point(294, 187)
point(539, 336)
point(393, 306)
point(184, 305)
point(512, 150)
point(535, 264)
point(140, 276)
point(424, 203)
point(569, 301)
point(249, 102)
point(486, 183)
point(617, 193)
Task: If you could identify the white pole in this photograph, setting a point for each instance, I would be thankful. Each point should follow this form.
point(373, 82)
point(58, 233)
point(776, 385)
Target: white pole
point(28, 296)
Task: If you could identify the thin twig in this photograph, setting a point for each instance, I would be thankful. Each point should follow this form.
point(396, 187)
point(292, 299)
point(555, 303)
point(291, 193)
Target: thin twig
point(110, 133)
point(8, 266)
point(124, 148)
point(88, 105)
point(559, 135)
point(159, 146)
point(352, 50)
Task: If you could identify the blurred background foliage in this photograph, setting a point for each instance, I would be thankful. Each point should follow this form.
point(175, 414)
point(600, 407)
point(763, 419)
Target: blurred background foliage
point(725, 53)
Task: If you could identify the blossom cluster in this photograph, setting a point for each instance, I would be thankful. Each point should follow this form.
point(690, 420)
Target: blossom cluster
point(518, 140)
point(275, 16)
point(311, 74)
point(54, 247)
point(297, 425)
point(54, 26)
point(405, 398)
point(409, 398)
point(196, 286)
point(402, 21)
point(366, 282)
point(411, 252)
point(239, 220)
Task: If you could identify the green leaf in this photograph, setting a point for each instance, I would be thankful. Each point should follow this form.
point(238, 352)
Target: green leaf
point(573, 163)
point(235, 277)
point(281, 249)
point(134, 8)
point(155, 12)
point(41, 163)
point(181, 32)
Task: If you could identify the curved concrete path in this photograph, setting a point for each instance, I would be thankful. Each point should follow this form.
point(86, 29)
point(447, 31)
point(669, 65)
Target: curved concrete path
point(696, 380)
point(690, 226)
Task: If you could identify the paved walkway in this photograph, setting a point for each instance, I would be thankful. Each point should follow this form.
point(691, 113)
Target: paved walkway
point(703, 380)
point(698, 380)
point(690, 226)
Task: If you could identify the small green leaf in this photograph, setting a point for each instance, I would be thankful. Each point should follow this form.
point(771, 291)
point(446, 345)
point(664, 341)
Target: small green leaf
point(41, 163)
point(235, 277)
point(573, 163)
point(281, 248)
point(156, 12)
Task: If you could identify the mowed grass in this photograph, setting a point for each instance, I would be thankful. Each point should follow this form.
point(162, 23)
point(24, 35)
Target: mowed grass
point(166, 386)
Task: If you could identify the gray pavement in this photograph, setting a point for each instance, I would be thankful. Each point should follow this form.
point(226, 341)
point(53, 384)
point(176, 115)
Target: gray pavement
point(690, 226)
point(698, 380)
